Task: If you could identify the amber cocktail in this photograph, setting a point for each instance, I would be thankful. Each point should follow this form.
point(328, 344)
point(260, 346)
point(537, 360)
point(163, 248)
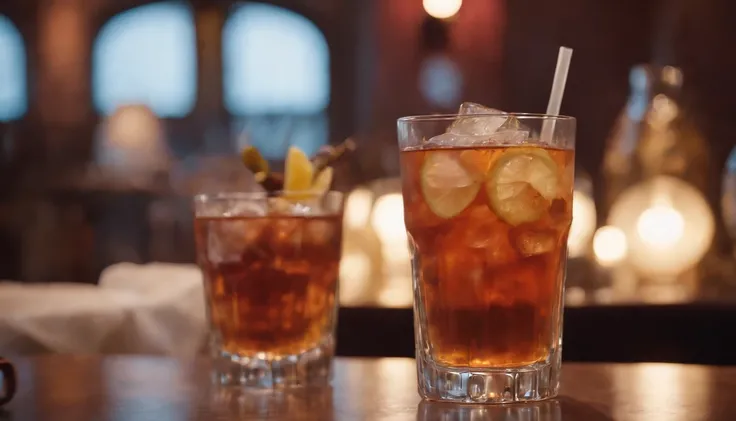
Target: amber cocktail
point(488, 207)
point(270, 264)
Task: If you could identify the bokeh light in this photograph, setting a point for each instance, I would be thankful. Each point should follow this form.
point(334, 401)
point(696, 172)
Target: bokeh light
point(660, 226)
point(442, 9)
point(388, 219)
point(668, 226)
point(583, 224)
point(358, 208)
point(355, 269)
point(609, 245)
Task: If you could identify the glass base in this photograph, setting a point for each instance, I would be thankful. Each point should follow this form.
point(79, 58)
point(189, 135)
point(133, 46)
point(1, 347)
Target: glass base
point(534, 382)
point(309, 368)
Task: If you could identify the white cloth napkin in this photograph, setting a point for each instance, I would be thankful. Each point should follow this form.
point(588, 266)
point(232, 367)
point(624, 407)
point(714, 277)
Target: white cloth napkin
point(155, 308)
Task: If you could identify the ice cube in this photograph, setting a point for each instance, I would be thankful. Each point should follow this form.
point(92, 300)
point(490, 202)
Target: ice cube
point(226, 206)
point(295, 207)
point(227, 239)
point(286, 238)
point(478, 126)
point(279, 205)
point(486, 234)
point(515, 283)
point(534, 241)
point(320, 232)
point(475, 108)
point(451, 139)
point(504, 137)
point(302, 209)
point(508, 137)
point(560, 214)
point(245, 208)
point(459, 273)
point(496, 129)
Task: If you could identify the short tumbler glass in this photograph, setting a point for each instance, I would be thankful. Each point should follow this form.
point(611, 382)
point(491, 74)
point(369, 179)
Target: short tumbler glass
point(488, 216)
point(270, 264)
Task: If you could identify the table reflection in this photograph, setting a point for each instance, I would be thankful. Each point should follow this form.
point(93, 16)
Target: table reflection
point(540, 411)
point(130, 395)
point(78, 388)
point(562, 408)
point(291, 404)
point(653, 388)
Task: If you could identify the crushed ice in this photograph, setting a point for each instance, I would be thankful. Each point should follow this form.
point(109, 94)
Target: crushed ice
point(494, 127)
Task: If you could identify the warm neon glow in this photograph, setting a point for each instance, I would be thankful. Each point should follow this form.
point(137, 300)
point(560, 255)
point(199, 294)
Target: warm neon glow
point(583, 224)
point(442, 9)
point(609, 245)
point(358, 208)
point(660, 226)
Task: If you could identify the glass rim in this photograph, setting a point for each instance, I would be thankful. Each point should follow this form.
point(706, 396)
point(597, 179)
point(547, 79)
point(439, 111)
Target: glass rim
point(206, 197)
point(451, 117)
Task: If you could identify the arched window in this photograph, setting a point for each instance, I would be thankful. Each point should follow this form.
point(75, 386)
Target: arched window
point(147, 56)
point(13, 92)
point(276, 78)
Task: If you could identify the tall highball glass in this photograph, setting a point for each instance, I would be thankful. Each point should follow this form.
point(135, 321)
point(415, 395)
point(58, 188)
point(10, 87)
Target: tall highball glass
point(488, 207)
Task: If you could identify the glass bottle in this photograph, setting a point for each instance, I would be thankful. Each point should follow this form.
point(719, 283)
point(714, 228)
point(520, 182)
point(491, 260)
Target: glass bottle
point(653, 136)
point(655, 187)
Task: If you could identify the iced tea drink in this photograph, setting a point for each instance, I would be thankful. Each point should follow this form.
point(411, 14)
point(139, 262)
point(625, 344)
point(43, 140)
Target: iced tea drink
point(270, 268)
point(488, 218)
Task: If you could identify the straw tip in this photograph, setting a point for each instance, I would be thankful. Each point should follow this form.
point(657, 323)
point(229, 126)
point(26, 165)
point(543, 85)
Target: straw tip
point(565, 50)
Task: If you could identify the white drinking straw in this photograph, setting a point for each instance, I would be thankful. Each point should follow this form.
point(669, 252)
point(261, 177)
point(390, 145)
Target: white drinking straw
point(558, 89)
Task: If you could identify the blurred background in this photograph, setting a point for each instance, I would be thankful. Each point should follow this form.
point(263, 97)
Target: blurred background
point(113, 113)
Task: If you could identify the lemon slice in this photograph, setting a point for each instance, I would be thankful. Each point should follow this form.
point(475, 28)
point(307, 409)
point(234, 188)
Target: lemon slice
point(447, 185)
point(477, 162)
point(521, 184)
point(298, 172)
point(323, 181)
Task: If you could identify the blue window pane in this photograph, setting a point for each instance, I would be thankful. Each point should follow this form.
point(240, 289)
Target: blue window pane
point(13, 93)
point(275, 61)
point(731, 162)
point(441, 82)
point(147, 55)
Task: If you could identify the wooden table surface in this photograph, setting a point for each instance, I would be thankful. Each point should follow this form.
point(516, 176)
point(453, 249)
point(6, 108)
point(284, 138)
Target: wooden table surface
point(160, 389)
